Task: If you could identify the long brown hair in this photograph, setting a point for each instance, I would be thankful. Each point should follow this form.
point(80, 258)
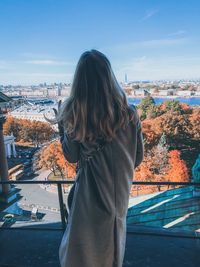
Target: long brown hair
point(97, 105)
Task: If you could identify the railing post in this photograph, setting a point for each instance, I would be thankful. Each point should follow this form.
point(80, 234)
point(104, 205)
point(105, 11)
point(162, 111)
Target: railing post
point(62, 213)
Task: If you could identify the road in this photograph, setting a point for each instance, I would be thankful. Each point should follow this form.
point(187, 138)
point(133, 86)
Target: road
point(34, 195)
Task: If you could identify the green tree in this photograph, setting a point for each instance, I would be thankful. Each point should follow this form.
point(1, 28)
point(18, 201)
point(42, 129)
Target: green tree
point(146, 105)
point(173, 105)
point(154, 111)
point(163, 141)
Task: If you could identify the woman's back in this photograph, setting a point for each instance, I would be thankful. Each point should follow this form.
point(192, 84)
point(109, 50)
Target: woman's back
point(97, 111)
point(97, 224)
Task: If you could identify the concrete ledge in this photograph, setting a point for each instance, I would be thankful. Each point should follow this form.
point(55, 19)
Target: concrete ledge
point(40, 249)
point(146, 230)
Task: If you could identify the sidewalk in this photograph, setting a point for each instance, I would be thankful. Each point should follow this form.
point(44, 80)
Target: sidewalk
point(52, 188)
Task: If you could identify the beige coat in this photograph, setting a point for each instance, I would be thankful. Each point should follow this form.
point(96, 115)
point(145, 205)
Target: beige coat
point(96, 231)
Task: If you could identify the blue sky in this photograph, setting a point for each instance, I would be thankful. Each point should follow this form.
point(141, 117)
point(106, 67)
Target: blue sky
point(41, 40)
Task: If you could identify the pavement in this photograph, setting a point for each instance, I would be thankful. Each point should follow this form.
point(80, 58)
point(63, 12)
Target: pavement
point(34, 195)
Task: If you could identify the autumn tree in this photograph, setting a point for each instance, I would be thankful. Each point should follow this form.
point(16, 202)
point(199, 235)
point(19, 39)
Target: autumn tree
point(194, 119)
point(151, 132)
point(143, 172)
point(47, 158)
point(28, 131)
point(12, 125)
point(178, 171)
point(175, 106)
point(175, 125)
point(39, 132)
point(52, 158)
point(155, 164)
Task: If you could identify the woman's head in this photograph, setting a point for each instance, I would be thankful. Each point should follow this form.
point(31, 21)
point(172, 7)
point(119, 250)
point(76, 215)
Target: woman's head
point(97, 105)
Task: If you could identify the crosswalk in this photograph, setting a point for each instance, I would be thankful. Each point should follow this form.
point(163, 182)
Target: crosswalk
point(41, 207)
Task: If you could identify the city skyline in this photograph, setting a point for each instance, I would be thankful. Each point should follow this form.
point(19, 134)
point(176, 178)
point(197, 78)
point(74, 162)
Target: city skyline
point(145, 40)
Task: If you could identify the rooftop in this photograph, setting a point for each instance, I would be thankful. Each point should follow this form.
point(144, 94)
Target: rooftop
point(176, 209)
point(4, 98)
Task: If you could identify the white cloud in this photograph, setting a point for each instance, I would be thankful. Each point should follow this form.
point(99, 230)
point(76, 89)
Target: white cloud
point(177, 33)
point(146, 44)
point(149, 13)
point(163, 42)
point(149, 68)
point(48, 62)
point(25, 78)
point(34, 55)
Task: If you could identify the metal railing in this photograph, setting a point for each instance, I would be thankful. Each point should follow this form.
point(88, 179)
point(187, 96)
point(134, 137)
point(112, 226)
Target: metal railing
point(59, 184)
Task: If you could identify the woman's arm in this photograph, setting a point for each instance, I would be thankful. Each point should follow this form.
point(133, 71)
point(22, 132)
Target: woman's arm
point(71, 148)
point(140, 145)
point(139, 138)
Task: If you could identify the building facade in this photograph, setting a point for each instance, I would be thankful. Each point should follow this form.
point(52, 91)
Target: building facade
point(9, 143)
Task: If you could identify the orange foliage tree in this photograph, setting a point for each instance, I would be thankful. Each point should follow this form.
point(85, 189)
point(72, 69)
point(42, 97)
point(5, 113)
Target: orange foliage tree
point(160, 166)
point(12, 126)
point(178, 171)
point(174, 124)
point(194, 119)
point(27, 130)
point(52, 158)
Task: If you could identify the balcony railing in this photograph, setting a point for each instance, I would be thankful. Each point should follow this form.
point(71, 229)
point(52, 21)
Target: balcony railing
point(138, 210)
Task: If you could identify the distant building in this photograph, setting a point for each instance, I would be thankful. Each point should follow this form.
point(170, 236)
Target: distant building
point(197, 93)
point(33, 92)
point(166, 92)
point(163, 93)
point(53, 92)
point(65, 91)
point(34, 113)
point(9, 143)
point(126, 79)
point(141, 92)
point(184, 93)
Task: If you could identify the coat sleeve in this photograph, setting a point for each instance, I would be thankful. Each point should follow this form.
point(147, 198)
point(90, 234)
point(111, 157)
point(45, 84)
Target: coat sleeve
point(140, 144)
point(71, 148)
point(139, 138)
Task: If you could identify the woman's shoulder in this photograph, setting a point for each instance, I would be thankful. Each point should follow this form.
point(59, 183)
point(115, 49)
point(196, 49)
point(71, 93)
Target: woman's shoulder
point(133, 107)
point(135, 115)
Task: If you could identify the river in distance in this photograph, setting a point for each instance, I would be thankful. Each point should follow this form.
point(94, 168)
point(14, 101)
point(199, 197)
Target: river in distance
point(192, 101)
